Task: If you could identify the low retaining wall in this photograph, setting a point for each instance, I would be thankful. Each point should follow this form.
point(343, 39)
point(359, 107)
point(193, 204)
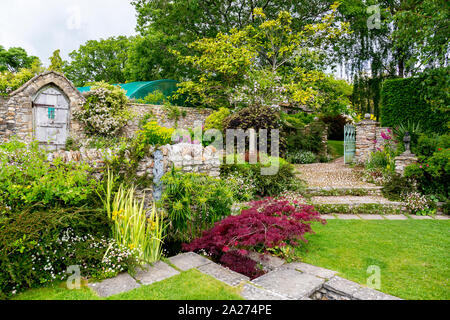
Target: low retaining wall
point(187, 157)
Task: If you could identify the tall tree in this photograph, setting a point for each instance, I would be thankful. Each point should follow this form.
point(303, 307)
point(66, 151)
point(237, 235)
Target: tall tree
point(56, 62)
point(263, 65)
point(103, 60)
point(174, 24)
point(424, 27)
point(15, 58)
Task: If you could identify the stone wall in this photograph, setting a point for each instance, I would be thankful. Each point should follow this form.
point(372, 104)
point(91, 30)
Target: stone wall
point(16, 110)
point(369, 139)
point(187, 157)
point(189, 117)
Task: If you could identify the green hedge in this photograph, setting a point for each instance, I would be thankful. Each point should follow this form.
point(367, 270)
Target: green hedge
point(402, 101)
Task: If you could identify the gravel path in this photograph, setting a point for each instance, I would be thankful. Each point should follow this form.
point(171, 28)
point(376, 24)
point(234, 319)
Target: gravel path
point(334, 174)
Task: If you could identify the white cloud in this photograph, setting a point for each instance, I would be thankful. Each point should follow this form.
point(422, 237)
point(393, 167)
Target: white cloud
point(42, 26)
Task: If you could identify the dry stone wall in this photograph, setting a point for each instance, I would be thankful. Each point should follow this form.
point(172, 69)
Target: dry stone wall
point(188, 117)
point(16, 110)
point(187, 157)
point(369, 138)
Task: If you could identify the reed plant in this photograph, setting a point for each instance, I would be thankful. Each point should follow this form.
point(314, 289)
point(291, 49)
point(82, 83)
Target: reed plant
point(132, 226)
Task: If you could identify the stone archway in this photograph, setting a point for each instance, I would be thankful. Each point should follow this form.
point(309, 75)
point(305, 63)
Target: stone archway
point(51, 117)
point(54, 97)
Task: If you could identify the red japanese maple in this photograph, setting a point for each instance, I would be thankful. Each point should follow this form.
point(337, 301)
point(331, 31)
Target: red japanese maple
point(267, 224)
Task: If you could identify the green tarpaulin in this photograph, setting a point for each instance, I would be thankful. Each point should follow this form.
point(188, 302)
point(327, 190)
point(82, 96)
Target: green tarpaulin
point(141, 89)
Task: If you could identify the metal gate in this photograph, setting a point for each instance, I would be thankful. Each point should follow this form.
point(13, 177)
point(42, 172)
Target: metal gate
point(51, 118)
point(349, 143)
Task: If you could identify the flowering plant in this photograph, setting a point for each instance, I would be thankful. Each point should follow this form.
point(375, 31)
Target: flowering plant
point(105, 112)
point(418, 204)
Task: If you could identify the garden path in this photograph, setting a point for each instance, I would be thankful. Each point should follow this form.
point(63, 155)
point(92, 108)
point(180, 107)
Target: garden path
point(283, 281)
point(337, 192)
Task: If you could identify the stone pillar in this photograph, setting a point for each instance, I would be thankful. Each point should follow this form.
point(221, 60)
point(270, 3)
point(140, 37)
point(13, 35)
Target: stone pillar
point(404, 160)
point(366, 134)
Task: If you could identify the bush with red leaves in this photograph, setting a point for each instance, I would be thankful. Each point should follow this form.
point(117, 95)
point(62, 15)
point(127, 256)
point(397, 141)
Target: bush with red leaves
point(269, 223)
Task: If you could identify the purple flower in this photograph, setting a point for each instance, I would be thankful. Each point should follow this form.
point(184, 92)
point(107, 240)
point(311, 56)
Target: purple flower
point(385, 137)
point(389, 130)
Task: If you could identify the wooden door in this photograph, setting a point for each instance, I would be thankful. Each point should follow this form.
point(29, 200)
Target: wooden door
point(51, 118)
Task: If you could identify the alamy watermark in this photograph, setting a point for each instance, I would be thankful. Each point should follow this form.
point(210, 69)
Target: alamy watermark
point(241, 146)
point(74, 280)
point(374, 21)
point(374, 280)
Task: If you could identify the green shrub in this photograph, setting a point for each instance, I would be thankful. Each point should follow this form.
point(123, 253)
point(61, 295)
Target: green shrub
point(432, 174)
point(266, 185)
point(403, 100)
point(307, 139)
point(155, 135)
point(37, 247)
point(242, 186)
point(428, 144)
point(298, 120)
point(217, 119)
point(27, 179)
point(395, 186)
point(105, 111)
point(193, 202)
point(301, 157)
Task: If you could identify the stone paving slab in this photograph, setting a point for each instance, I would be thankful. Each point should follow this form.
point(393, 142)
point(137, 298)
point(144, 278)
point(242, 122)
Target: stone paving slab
point(395, 217)
point(223, 274)
point(420, 217)
point(268, 261)
point(310, 269)
point(122, 283)
point(189, 260)
point(327, 216)
point(355, 291)
point(348, 217)
point(158, 272)
point(252, 292)
point(371, 216)
point(440, 217)
point(342, 286)
point(290, 283)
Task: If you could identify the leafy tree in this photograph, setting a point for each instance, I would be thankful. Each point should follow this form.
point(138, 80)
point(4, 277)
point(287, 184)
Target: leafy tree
point(56, 62)
point(10, 81)
point(103, 60)
point(423, 26)
point(174, 24)
point(149, 59)
point(193, 19)
point(262, 65)
point(15, 59)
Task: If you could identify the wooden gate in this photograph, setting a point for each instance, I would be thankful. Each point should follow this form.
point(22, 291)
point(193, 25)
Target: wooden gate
point(349, 143)
point(51, 118)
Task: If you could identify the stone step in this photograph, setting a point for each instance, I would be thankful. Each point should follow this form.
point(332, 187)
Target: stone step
point(344, 191)
point(356, 205)
point(189, 260)
point(290, 283)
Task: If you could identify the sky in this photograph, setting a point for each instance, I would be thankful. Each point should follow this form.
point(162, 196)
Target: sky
point(42, 26)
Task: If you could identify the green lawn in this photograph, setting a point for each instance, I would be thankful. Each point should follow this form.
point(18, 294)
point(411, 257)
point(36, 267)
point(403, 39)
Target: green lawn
point(189, 285)
point(336, 148)
point(413, 255)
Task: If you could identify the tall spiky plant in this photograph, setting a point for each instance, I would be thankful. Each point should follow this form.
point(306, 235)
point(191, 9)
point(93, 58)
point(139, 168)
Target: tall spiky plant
point(131, 226)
